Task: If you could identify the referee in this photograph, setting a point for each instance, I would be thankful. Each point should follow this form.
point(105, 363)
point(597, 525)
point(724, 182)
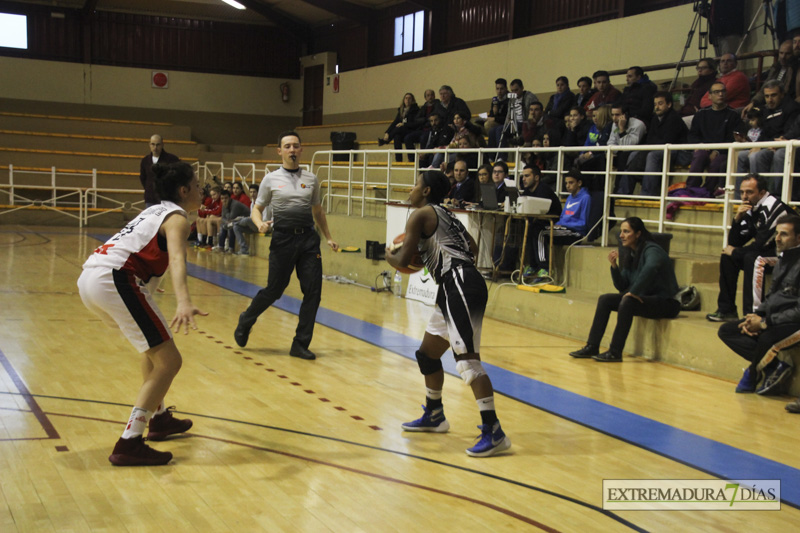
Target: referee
point(295, 198)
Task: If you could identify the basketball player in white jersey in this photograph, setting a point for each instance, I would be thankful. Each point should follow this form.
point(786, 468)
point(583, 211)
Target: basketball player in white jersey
point(449, 252)
point(114, 285)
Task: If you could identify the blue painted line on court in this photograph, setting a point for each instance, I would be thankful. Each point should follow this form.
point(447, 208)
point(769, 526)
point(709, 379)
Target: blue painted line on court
point(715, 458)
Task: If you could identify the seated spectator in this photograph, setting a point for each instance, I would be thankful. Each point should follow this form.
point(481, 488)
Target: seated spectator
point(463, 191)
point(666, 127)
point(403, 123)
point(526, 98)
point(499, 107)
point(706, 75)
point(755, 221)
point(585, 91)
point(783, 70)
point(560, 103)
point(462, 127)
point(246, 225)
point(484, 176)
point(535, 158)
point(209, 217)
point(572, 225)
point(240, 192)
point(420, 126)
point(449, 105)
point(715, 124)
point(578, 127)
point(606, 93)
point(534, 126)
point(736, 84)
point(638, 94)
point(647, 286)
point(232, 212)
point(471, 158)
point(499, 175)
point(777, 116)
point(598, 135)
point(439, 137)
point(550, 160)
point(519, 102)
point(772, 327)
point(626, 131)
point(532, 185)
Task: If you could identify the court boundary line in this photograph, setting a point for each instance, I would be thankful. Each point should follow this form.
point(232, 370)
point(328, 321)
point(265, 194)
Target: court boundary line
point(41, 417)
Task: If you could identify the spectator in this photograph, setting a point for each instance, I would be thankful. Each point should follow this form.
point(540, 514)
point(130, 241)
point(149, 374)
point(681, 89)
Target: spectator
point(778, 115)
point(736, 84)
point(246, 225)
point(518, 100)
point(526, 98)
point(471, 158)
point(549, 159)
point(463, 191)
point(449, 105)
point(706, 75)
point(534, 126)
point(462, 127)
point(774, 325)
point(402, 124)
point(239, 193)
point(756, 122)
point(537, 157)
point(646, 283)
point(783, 70)
point(578, 127)
point(532, 185)
point(666, 127)
point(499, 175)
point(572, 225)
point(606, 93)
point(232, 212)
point(499, 106)
point(209, 217)
point(439, 137)
point(598, 136)
point(755, 221)
point(626, 131)
point(716, 124)
point(638, 94)
point(484, 176)
point(560, 103)
point(585, 91)
point(146, 176)
point(420, 127)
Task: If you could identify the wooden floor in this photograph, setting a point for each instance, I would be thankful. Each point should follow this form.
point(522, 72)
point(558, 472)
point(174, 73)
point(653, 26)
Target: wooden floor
point(281, 444)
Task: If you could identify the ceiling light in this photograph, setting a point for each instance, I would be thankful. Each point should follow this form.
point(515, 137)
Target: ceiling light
point(234, 3)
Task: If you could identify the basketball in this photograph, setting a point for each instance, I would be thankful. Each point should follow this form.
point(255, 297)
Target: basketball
point(416, 263)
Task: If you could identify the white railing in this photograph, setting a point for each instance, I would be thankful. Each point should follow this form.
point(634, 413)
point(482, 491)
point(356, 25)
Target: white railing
point(66, 195)
point(363, 167)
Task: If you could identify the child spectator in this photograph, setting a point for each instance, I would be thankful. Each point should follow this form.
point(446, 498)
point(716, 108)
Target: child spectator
point(756, 122)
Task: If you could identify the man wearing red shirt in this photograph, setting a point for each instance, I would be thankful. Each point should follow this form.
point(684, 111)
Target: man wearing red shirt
point(735, 81)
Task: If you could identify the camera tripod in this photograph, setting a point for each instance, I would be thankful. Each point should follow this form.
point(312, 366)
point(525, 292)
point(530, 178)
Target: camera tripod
point(769, 24)
point(702, 10)
point(510, 128)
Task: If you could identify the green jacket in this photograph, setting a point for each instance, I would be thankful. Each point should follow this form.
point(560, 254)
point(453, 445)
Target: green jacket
point(653, 276)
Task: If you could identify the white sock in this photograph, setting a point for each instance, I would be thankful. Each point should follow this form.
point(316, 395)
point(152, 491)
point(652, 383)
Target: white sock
point(137, 423)
point(433, 394)
point(160, 409)
point(486, 404)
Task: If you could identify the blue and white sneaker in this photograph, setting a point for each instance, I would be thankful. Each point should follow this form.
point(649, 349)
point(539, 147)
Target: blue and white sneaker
point(492, 441)
point(775, 379)
point(748, 382)
point(432, 421)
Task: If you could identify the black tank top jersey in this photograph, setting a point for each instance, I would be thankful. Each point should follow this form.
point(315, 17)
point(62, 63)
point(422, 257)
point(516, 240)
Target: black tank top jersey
point(448, 247)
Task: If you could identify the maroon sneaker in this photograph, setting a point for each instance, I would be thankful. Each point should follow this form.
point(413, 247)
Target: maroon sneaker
point(164, 425)
point(134, 452)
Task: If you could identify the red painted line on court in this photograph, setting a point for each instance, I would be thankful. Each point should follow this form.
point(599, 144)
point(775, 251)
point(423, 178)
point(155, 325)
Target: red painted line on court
point(309, 391)
point(270, 370)
point(324, 400)
point(62, 448)
point(376, 428)
point(296, 384)
point(339, 408)
point(496, 508)
point(48, 427)
point(356, 417)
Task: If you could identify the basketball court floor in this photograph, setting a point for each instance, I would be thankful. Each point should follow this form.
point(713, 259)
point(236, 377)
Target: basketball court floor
point(282, 444)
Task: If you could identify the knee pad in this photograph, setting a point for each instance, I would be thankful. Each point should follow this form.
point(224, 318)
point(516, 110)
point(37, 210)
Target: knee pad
point(470, 370)
point(427, 365)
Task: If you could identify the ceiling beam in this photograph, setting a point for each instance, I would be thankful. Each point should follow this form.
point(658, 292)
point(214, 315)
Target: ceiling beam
point(424, 4)
point(89, 6)
point(354, 12)
point(278, 17)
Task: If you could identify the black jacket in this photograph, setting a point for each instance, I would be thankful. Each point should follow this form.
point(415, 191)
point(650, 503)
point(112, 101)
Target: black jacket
point(782, 304)
point(457, 105)
point(421, 120)
point(638, 98)
point(758, 225)
point(778, 121)
point(670, 129)
point(409, 120)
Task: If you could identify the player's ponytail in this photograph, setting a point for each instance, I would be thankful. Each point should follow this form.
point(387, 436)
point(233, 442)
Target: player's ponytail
point(170, 177)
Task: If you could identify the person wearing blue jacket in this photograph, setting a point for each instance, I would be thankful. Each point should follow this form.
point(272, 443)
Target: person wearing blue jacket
point(571, 226)
point(647, 286)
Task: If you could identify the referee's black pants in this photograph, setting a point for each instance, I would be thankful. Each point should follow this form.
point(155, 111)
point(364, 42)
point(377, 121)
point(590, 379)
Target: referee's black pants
point(288, 252)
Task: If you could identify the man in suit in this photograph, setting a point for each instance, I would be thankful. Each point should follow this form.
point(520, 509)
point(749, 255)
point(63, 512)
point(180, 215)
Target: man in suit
point(156, 155)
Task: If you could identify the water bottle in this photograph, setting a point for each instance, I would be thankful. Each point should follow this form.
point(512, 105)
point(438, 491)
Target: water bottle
point(397, 283)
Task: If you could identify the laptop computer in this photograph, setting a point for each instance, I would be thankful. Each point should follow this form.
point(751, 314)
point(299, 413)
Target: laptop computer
point(489, 196)
point(513, 194)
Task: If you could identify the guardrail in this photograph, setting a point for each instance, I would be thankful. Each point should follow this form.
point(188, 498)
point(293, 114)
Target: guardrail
point(362, 164)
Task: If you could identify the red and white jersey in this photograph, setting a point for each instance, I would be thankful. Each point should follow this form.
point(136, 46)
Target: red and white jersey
point(137, 248)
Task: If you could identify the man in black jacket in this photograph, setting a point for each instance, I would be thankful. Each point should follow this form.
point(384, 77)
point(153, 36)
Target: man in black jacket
point(666, 127)
point(449, 105)
point(638, 95)
point(775, 325)
point(754, 221)
point(146, 176)
point(421, 124)
point(777, 116)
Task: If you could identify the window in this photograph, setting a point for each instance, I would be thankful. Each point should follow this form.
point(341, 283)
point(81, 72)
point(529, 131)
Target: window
point(13, 31)
point(408, 33)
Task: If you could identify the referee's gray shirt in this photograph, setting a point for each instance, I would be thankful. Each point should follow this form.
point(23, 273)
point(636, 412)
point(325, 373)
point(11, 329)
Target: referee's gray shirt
point(292, 194)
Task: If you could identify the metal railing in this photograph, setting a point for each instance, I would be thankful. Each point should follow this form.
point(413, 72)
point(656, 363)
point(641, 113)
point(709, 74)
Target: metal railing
point(363, 168)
